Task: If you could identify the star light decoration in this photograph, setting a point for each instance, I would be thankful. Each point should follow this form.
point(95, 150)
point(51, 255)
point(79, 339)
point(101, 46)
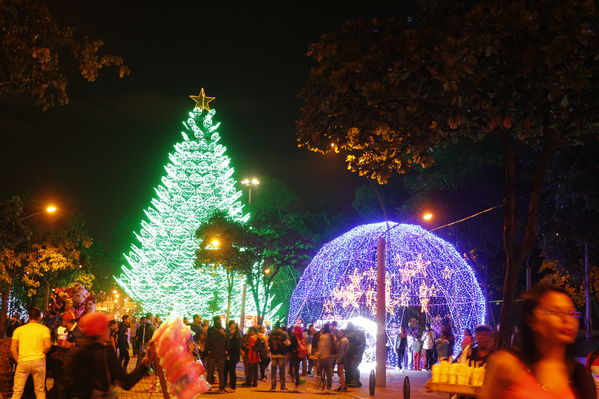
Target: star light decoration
point(202, 101)
point(447, 273)
point(423, 273)
point(411, 269)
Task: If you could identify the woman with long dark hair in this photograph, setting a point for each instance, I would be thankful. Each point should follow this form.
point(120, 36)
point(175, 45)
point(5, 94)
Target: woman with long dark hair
point(543, 367)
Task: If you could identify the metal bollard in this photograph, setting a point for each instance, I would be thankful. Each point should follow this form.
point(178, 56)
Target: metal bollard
point(406, 387)
point(372, 383)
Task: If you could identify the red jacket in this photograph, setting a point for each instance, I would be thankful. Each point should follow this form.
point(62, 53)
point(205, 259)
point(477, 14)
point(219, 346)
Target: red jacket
point(253, 356)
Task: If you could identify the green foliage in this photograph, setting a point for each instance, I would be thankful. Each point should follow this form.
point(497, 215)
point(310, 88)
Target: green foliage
point(12, 230)
point(262, 251)
point(569, 279)
point(51, 253)
point(214, 304)
point(385, 93)
point(234, 250)
point(31, 44)
point(570, 210)
point(273, 197)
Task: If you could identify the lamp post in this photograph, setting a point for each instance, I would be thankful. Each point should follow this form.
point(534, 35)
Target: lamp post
point(381, 306)
point(50, 209)
point(381, 315)
point(249, 183)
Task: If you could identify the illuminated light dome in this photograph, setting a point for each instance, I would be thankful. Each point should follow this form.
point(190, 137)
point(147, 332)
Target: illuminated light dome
point(423, 272)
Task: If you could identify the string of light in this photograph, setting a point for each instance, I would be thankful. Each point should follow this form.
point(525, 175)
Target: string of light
point(423, 272)
point(160, 270)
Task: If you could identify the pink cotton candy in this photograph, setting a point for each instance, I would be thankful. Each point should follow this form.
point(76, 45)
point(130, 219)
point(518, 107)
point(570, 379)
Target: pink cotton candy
point(174, 354)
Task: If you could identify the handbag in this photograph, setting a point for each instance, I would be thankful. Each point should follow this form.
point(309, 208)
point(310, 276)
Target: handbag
point(111, 393)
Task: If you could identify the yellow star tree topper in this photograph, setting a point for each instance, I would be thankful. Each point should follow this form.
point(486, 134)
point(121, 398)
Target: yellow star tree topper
point(202, 101)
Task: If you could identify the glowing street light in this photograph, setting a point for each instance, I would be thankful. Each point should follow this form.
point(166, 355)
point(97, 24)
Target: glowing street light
point(215, 243)
point(50, 209)
point(249, 183)
point(427, 216)
point(267, 270)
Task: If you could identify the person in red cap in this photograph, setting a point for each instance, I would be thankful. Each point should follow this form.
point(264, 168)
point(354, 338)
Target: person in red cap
point(94, 367)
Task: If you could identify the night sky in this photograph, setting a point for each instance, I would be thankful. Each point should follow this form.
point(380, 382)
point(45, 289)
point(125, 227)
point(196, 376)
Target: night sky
point(102, 154)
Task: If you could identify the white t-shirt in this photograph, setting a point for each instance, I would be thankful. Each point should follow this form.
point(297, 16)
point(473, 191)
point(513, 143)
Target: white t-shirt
point(428, 339)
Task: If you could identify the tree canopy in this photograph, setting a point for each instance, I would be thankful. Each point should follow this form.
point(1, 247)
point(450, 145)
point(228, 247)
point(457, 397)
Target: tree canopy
point(385, 93)
point(32, 43)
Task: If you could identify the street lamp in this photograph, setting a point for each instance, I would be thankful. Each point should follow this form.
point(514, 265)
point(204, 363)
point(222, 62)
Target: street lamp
point(50, 209)
point(249, 183)
point(214, 244)
point(427, 216)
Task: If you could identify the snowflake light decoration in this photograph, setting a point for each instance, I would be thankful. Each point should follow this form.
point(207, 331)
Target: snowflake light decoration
point(423, 272)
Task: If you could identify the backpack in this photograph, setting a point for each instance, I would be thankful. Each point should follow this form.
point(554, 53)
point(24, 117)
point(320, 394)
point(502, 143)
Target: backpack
point(275, 343)
point(259, 347)
point(302, 349)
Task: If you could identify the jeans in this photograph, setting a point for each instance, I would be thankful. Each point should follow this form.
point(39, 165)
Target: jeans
point(401, 359)
point(124, 356)
point(295, 361)
point(352, 372)
point(326, 370)
point(429, 359)
point(277, 362)
point(263, 365)
point(230, 372)
point(253, 374)
point(37, 369)
point(219, 364)
point(341, 374)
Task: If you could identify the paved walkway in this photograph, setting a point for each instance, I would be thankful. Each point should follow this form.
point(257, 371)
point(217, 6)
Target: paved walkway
point(309, 390)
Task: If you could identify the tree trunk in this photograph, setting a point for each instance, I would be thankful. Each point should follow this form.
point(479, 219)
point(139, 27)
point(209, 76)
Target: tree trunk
point(587, 295)
point(254, 288)
point(517, 253)
point(4, 307)
point(509, 233)
point(229, 295)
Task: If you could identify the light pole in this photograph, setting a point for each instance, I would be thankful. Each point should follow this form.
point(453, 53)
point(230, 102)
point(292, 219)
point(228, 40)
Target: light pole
point(381, 306)
point(50, 209)
point(249, 183)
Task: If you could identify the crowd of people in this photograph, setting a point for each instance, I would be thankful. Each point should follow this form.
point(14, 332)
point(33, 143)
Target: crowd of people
point(81, 359)
point(287, 352)
point(89, 356)
point(419, 349)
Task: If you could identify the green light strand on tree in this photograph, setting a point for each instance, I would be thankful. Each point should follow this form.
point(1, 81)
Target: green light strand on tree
point(159, 271)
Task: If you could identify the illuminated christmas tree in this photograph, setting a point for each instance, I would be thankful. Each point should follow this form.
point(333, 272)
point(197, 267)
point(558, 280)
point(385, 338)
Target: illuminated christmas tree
point(160, 272)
